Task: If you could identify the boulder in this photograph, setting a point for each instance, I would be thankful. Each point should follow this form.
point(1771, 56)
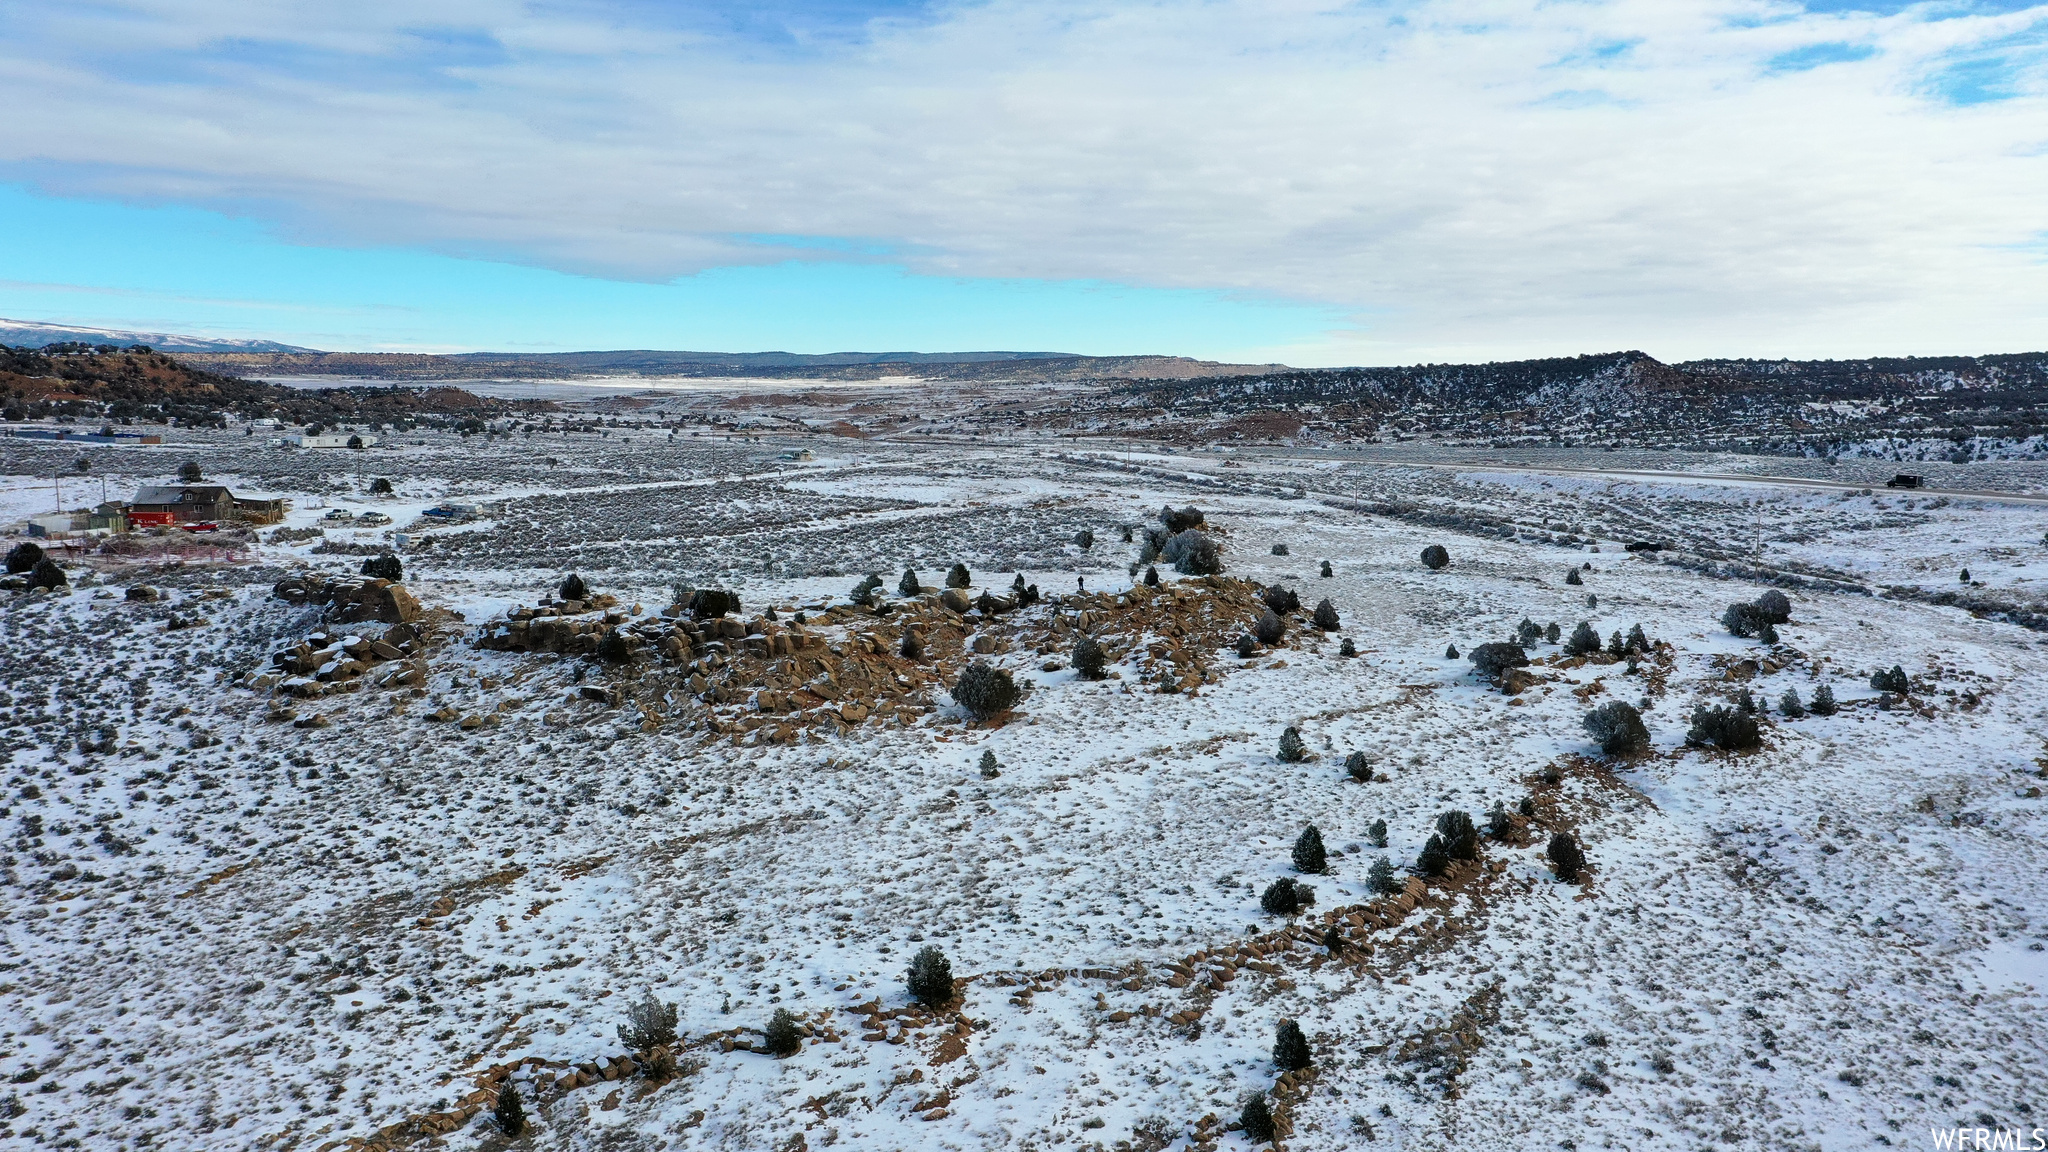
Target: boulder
point(954, 600)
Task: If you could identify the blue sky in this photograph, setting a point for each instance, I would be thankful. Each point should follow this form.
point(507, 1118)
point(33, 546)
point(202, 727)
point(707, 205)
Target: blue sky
point(1319, 183)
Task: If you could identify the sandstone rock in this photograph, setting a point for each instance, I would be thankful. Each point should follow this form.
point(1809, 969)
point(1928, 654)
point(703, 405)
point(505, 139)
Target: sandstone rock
point(444, 714)
point(954, 600)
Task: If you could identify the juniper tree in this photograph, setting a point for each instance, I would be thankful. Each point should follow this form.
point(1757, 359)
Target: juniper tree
point(1743, 619)
point(1565, 857)
point(1723, 727)
point(46, 574)
point(1775, 606)
point(1084, 539)
point(1891, 680)
point(864, 592)
point(1435, 557)
point(1499, 825)
point(1326, 572)
point(1381, 876)
point(1088, 659)
point(1358, 767)
point(1637, 641)
point(1377, 834)
point(24, 557)
point(1290, 1047)
point(612, 647)
point(1963, 576)
point(1325, 617)
point(783, 1036)
point(1528, 632)
point(1618, 728)
point(1789, 704)
point(912, 648)
point(1450, 651)
point(509, 1112)
point(1823, 701)
point(930, 977)
point(908, 586)
point(1247, 647)
point(1745, 703)
point(1292, 750)
point(1182, 520)
point(1592, 601)
point(189, 473)
point(1309, 856)
point(1495, 658)
point(1280, 898)
point(573, 588)
point(1615, 647)
point(380, 487)
point(1333, 939)
point(1127, 533)
point(1584, 641)
point(1256, 1119)
point(1279, 549)
point(1461, 840)
point(1151, 577)
point(648, 1023)
point(959, 577)
point(989, 768)
point(1553, 633)
point(1281, 600)
point(1347, 648)
point(985, 691)
point(1269, 629)
point(1572, 578)
point(1433, 859)
point(1193, 554)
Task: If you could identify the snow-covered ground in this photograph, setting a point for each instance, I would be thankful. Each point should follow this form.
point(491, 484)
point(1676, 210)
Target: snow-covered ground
point(223, 931)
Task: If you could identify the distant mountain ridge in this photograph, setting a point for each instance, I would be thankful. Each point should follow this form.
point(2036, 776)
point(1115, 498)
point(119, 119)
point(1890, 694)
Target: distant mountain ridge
point(32, 334)
point(991, 366)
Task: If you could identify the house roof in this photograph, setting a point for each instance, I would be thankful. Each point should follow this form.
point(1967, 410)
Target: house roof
point(181, 494)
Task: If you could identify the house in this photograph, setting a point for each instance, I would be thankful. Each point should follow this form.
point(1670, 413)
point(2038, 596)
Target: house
point(798, 454)
point(156, 504)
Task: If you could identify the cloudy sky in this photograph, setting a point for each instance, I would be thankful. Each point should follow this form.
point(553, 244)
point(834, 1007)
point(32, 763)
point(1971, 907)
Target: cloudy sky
point(1308, 182)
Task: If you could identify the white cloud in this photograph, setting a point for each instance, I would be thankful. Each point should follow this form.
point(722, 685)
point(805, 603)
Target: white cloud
point(1469, 179)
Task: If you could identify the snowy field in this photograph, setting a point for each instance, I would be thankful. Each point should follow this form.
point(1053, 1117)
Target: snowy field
point(224, 930)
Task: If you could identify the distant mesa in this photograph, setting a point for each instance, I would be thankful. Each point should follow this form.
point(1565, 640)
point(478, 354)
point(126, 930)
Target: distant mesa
point(30, 334)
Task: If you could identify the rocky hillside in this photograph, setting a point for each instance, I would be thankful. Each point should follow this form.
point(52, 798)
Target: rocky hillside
point(138, 384)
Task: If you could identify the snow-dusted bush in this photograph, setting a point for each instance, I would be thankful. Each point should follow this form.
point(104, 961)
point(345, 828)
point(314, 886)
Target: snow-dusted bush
point(1566, 859)
point(712, 603)
point(1638, 641)
point(648, 1023)
point(1528, 633)
point(1823, 701)
point(1084, 539)
point(384, 567)
point(1325, 617)
point(783, 1036)
point(1584, 641)
point(1891, 680)
point(1789, 704)
point(864, 592)
point(959, 577)
point(1280, 898)
point(985, 691)
point(1279, 549)
point(1089, 659)
point(1723, 727)
point(1358, 767)
point(930, 977)
point(1499, 825)
point(1434, 858)
point(1247, 647)
point(1309, 856)
point(24, 557)
point(1495, 658)
point(1256, 1119)
point(380, 487)
point(1572, 577)
point(1347, 648)
point(1553, 634)
point(1281, 600)
point(1618, 728)
point(46, 574)
point(1461, 839)
point(1269, 629)
point(1184, 520)
point(1435, 556)
point(509, 1112)
point(1380, 877)
point(1292, 750)
point(1290, 1047)
point(1377, 834)
point(1775, 606)
point(1193, 554)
